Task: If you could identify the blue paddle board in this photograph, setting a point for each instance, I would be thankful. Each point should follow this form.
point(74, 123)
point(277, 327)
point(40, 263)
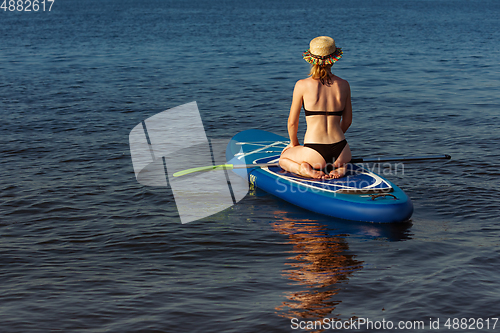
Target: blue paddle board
point(360, 195)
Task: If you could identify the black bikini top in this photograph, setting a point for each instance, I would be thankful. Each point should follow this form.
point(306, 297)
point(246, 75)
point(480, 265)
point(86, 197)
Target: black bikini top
point(323, 113)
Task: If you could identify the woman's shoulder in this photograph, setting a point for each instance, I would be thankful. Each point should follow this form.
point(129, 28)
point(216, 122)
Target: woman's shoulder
point(341, 83)
point(302, 84)
point(340, 80)
point(305, 81)
point(308, 81)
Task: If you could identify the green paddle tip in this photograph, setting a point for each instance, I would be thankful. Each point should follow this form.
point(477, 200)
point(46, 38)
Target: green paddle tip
point(203, 168)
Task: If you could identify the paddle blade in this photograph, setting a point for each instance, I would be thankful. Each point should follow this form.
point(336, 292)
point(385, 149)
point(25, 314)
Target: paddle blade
point(204, 168)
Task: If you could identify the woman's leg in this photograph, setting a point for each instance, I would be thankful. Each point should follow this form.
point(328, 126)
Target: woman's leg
point(303, 160)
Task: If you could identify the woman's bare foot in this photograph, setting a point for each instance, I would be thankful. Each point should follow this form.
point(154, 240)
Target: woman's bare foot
point(338, 173)
point(306, 170)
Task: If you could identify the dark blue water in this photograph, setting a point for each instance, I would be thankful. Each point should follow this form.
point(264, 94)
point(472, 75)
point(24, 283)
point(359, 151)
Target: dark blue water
point(85, 248)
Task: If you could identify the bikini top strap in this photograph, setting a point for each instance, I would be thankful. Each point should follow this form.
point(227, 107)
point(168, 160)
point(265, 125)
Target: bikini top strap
point(322, 113)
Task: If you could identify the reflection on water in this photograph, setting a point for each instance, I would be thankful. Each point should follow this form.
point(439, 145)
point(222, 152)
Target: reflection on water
point(321, 261)
point(318, 263)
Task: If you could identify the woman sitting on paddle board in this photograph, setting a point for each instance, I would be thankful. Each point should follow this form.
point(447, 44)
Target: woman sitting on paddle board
point(326, 99)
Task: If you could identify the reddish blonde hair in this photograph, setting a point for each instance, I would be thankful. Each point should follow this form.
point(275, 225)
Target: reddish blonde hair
point(321, 73)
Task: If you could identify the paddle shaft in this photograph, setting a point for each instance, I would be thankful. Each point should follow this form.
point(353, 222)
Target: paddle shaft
point(399, 159)
point(358, 160)
point(354, 160)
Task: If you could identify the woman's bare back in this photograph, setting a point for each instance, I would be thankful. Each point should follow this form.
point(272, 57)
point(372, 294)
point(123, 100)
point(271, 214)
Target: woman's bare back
point(331, 96)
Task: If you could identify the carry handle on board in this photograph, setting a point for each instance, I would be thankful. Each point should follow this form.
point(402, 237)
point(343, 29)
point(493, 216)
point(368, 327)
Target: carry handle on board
point(353, 160)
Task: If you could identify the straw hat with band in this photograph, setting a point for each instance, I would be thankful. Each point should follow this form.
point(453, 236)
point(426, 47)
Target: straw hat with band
point(322, 51)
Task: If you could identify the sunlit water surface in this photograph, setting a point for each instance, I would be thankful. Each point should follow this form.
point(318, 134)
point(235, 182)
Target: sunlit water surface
point(86, 248)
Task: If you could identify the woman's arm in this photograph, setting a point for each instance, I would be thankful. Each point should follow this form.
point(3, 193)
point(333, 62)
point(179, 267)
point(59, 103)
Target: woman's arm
point(346, 120)
point(293, 118)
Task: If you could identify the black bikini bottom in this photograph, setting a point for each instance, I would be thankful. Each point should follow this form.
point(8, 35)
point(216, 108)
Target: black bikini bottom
point(329, 151)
